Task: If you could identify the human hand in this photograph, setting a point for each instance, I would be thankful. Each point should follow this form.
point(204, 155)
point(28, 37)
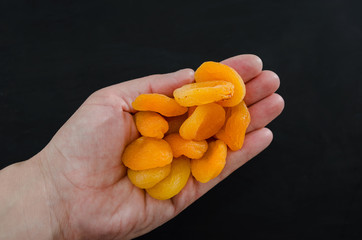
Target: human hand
point(85, 182)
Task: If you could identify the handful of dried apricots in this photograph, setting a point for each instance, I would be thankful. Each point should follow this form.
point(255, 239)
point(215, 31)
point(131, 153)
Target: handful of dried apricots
point(187, 134)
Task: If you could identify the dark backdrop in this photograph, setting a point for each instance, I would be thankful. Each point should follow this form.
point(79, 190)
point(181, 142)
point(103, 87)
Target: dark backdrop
point(306, 184)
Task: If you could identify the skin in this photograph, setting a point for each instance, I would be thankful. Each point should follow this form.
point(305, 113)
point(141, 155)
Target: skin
point(76, 187)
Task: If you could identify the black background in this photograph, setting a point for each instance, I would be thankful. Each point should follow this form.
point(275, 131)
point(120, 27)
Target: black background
point(53, 54)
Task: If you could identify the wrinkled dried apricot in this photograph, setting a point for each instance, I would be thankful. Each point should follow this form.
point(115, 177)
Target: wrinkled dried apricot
point(189, 148)
point(203, 93)
point(160, 103)
point(151, 124)
point(213, 71)
point(145, 153)
point(211, 164)
point(236, 123)
point(149, 177)
point(204, 122)
point(174, 182)
point(174, 123)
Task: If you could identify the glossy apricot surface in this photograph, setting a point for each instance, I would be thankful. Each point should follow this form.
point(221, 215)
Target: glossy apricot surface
point(189, 148)
point(149, 177)
point(211, 164)
point(204, 122)
point(214, 71)
point(145, 153)
point(203, 93)
point(174, 182)
point(160, 103)
point(236, 123)
point(151, 124)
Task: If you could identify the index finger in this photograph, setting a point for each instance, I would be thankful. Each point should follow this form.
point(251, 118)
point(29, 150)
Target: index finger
point(247, 65)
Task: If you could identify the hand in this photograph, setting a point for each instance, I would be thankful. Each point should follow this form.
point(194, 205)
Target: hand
point(86, 185)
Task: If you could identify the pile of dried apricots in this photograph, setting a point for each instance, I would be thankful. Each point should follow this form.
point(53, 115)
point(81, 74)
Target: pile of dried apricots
point(187, 134)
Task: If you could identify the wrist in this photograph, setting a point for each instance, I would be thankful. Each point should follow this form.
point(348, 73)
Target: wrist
point(26, 200)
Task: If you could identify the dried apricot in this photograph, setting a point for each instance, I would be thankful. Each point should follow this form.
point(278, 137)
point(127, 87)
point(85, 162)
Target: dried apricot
point(203, 93)
point(211, 164)
point(160, 103)
point(145, 153)
point(151, 124)
point(174, 182)
point(236, 123)
point(174, 123)
point(204, 122)
point(149, 177)
point(189, 148)
point(213, 71)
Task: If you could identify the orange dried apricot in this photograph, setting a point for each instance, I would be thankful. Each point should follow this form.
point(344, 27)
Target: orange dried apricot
point(211, 164)
point(188, 148)
point(145, 153)
point(149, 177)
point(174, 182)
point(203, 93)
point(160, 103)
point(213, 71)
point(174, 123)
point(151, 124)
point(236, 123)
point(204, 122)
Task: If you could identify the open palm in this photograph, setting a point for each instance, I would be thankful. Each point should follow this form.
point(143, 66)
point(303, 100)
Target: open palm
point(86, 180)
